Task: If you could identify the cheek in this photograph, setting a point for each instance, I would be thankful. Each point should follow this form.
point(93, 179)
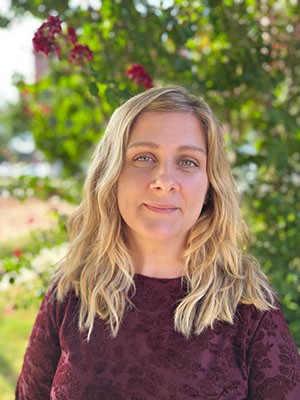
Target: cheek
point(197, 196)
point(198, 188)
point(133, 180)
point(129, 187)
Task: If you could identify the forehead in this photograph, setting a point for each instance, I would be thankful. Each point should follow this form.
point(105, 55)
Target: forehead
point(167, 126)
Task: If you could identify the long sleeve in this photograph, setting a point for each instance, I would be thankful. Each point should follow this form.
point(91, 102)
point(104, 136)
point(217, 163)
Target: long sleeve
point(273, 360)
point(42, 354)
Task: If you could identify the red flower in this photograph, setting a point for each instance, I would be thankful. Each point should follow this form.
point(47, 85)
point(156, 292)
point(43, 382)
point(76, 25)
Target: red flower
point(44, 43)
point(18, 253)
point(80, 54)
point(138, 74)
point(54, 24)
point(72, 35)
point(44, 39)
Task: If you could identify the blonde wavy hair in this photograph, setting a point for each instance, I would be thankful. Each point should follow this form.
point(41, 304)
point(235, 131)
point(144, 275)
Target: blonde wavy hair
point(218, 274)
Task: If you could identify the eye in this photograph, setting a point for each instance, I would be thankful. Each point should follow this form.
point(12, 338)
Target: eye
point(144, 158)
point(189, 163)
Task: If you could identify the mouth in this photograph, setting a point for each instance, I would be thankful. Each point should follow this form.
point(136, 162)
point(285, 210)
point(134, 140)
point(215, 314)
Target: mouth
point(161, 208)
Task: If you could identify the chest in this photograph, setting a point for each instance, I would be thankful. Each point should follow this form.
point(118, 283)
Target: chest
point(148, 360)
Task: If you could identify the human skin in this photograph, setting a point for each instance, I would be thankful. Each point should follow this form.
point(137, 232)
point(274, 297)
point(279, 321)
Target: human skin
point(163, 183)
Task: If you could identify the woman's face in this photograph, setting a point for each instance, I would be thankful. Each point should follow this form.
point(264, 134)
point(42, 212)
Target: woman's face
point(163, 182)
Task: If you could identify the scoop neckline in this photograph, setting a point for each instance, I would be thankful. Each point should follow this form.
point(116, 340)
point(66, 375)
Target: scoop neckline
point(156, 279)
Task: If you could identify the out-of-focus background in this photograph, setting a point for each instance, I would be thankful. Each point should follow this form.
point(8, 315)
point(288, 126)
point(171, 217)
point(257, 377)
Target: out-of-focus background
point(57, 93)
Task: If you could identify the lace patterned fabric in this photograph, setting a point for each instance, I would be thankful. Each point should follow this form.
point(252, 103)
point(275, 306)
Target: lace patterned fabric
point(253, 359)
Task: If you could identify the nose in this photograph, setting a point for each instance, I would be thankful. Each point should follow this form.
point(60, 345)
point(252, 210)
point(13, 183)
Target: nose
point(164, 178)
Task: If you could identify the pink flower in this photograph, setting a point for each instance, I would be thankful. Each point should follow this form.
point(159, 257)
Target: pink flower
point(18, 253)
point(80, 54)
point(138, 74)
point(30, 219)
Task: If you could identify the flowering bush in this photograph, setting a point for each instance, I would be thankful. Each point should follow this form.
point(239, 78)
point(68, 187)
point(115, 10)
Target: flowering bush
point(49, 39)
point(39, 265)
point(26, 272)
point(69, 116)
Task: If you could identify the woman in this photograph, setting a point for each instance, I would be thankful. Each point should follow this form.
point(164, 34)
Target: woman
point(155, 298)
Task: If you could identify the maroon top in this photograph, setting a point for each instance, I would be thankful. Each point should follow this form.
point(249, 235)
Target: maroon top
point(255, 358)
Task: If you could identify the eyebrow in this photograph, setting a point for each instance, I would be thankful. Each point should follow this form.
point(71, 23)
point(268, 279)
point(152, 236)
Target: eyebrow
point(152, 145)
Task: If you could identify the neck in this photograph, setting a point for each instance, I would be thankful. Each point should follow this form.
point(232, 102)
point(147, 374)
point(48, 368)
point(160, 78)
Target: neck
point(157, 260)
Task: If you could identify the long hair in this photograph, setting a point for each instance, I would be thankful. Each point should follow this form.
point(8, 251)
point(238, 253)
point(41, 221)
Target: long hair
point(217, 273)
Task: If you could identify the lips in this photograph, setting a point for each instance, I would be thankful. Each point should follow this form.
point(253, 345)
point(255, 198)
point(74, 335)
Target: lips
point(161, 208)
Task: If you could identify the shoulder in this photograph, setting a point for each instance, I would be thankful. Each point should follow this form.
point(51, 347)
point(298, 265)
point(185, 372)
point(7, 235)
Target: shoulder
point(272, 355)
point(54, 309)
point(271, 322)
point(263, 325)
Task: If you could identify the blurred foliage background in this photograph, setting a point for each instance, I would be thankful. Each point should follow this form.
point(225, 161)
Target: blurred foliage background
point(241, 56)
